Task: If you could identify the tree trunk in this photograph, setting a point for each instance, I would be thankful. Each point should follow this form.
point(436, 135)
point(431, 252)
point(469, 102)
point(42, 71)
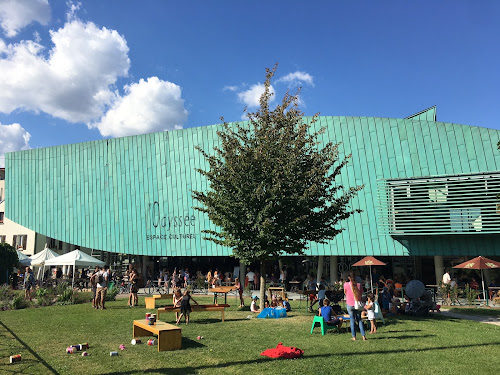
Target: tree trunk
point(262, 283)
point(319, 274)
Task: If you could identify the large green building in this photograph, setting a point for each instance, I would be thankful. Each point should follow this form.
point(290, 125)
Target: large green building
point(430, 190)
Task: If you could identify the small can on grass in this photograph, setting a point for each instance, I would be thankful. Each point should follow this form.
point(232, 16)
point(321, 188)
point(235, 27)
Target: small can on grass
point(15, 358)
point(135, 341)
point(151, 342)
point(113, 354)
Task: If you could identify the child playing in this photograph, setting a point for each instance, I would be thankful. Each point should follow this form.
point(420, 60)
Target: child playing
point(370, 309)
point(285, 304)
point(176, 301)
point(238, 285)
point(186, 306)
point(253, 305)
point(329, 316)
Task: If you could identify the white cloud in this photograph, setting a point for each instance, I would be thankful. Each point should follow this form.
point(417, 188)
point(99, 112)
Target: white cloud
point(148, 106)
point(73, 81)
point(230, 88)
point(16, 14)
point(14, 138)
point(297, 78)
point(252, 96)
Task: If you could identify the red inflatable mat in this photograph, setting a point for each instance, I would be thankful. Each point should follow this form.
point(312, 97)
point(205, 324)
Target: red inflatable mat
point(283, 352)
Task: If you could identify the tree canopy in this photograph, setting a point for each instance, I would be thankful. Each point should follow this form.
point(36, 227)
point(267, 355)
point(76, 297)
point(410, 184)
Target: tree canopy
point(8, 260)
point(272, 187)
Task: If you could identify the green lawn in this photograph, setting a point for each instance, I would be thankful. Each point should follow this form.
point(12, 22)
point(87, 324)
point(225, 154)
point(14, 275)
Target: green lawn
point(434, 345)
point(476, 311)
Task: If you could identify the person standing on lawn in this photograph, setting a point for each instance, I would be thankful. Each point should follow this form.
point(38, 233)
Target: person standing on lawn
point(133, 280)
point(353, 293)
point(93, 283)
point(29, 282)
point(102, 286)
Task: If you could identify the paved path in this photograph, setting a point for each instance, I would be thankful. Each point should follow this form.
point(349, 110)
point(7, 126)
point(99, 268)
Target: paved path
point(478, 318)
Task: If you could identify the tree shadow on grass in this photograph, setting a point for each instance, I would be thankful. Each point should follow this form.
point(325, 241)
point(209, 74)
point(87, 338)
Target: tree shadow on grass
point(37, 357)
point(194, 370)
point(405, 331)
point(188, 343)
point(402, 337)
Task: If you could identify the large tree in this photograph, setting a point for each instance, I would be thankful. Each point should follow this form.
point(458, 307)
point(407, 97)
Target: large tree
point(8, 260)
point(272, 188)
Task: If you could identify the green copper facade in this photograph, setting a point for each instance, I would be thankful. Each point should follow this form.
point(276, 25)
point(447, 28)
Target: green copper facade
point(133, 194)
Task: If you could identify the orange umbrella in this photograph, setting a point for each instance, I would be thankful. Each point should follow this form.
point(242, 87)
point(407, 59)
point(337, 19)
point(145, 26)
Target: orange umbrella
point(479, 263)
point(369, 261)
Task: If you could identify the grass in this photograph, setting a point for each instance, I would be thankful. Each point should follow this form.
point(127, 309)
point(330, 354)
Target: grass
point(436, 345)
point(476, 311)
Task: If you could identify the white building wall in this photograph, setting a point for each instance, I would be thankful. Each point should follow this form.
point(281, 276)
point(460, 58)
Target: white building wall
point(8, 228)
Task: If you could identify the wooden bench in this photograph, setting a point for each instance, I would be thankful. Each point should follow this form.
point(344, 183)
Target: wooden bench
point(151, 301)
point(169, 336)
point(219, 307)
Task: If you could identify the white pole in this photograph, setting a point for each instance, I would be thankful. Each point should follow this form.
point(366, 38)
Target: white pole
point(371, 281)
point(484, 294)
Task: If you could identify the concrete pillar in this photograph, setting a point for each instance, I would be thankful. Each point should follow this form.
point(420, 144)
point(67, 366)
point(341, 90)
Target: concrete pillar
point(144, 275)
point(320, 268)
point(333, 269)
point(438, 268)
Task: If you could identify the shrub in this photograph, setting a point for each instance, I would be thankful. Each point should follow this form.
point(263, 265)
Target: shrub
point(470, 294)
point(81, 297)
point(111, 294)
point(60, 288)
point(18, 302)
point(6, 292)
point(200, 283)
point(44, 297)
point(66, 296)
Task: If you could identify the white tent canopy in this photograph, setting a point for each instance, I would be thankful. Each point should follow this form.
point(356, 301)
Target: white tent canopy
point(22, 257)
point(76, 258)
point(40, 258)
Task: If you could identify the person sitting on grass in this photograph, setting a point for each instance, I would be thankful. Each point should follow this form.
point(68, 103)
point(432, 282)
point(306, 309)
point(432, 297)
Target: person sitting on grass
point(285, 304)
point(329, 316)
point(186, 306)
point(253, 306)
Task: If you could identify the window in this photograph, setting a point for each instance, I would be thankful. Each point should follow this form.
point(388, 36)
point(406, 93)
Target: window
point(1, 194)
point(19, 241)
point(466, 220)
point(51, 243)
point(2, 214)
point(2, 239)
point(438, 194)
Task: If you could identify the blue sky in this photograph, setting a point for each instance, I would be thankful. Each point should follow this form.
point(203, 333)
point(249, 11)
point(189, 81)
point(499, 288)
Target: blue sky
point(78, 71)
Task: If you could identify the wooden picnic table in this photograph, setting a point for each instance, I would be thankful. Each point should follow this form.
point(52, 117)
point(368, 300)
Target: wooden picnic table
point(169, 336)
point(222, 289)
point(214, 307)
point(151, 301)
